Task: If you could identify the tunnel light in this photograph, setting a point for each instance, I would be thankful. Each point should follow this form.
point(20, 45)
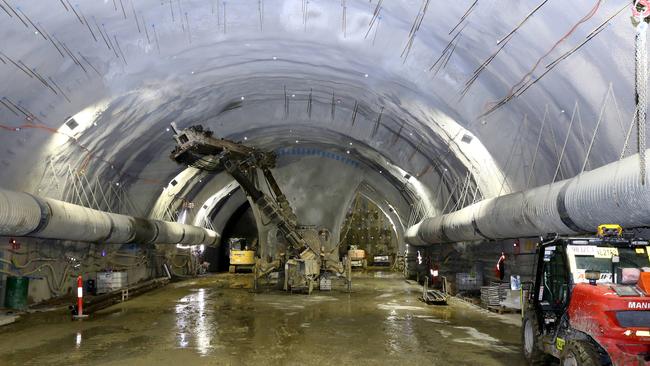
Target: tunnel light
point(293, 95)
point(365, 75)
point(75, 124)
point(242, 98)
point(297, 141)
point(117, 184)
point(167, 129)
point(275, 58)
point(71, 123)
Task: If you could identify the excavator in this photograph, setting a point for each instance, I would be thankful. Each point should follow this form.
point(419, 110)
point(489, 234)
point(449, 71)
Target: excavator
point(302, 254)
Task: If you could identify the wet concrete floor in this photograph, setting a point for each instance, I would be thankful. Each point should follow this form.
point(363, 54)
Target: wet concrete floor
point(215, 320)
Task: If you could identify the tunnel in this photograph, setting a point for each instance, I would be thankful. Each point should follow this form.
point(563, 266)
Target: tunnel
point(324, 182)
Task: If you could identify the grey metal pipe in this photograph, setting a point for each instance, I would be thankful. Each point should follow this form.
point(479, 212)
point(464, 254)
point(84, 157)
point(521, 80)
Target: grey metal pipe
point(23, 214)
point(611, 194)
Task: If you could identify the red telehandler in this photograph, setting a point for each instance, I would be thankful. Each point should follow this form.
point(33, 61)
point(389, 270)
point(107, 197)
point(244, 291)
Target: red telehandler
point(590, 301)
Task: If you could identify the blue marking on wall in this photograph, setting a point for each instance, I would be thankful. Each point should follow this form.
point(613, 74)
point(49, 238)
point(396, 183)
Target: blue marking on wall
point(302, 151)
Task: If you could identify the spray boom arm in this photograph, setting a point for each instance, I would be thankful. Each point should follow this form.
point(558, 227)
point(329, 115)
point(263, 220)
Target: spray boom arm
point(197, 147)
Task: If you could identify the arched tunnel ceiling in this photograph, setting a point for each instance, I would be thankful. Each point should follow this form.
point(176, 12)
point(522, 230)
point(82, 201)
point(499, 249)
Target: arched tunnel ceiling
point(340, 72)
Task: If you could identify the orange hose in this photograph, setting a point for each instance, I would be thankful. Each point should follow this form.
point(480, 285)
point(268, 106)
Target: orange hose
point(91, 154)
point(527, 76)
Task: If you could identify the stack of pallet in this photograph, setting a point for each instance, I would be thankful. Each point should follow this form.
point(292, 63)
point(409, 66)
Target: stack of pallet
point(490, 296)
point(504, 287)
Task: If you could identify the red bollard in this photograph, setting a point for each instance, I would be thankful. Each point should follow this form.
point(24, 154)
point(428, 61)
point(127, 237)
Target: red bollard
point(80, 299)
point(80, 296)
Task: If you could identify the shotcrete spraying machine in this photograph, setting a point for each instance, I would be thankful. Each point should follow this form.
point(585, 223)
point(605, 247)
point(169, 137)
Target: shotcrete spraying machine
point(303, 255)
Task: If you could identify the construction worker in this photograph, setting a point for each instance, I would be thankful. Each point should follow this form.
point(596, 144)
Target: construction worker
point(500, 269)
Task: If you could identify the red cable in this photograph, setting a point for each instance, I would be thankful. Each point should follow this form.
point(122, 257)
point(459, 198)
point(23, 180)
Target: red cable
point(82, 147)
point(525, 78)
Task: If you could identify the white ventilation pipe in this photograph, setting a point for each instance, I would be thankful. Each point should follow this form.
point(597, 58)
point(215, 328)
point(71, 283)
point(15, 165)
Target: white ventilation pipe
point(611, 194)
point(23, 214)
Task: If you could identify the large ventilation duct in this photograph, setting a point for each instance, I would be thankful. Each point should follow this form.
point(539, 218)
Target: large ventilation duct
point(611, 194)
point(22, 214)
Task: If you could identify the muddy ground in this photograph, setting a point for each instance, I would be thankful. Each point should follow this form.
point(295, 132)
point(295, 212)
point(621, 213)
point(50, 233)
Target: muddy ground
point(216, 320)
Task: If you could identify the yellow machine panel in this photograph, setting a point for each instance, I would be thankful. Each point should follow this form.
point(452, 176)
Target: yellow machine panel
point(356, 254)
point(610, 230)
point(242, 257)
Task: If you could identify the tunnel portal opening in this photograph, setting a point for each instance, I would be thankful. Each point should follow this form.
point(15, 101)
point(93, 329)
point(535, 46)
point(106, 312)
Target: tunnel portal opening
point(368, 236)
point(241, 225)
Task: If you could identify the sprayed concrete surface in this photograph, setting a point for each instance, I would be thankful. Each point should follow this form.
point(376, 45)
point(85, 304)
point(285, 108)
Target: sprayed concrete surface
point(216, 320)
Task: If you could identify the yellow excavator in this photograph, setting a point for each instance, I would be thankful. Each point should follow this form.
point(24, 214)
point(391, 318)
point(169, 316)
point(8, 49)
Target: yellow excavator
point(241, 256)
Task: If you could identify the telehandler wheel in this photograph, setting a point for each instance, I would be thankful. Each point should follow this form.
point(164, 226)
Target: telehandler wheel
point(530, 339)
point(580, 353)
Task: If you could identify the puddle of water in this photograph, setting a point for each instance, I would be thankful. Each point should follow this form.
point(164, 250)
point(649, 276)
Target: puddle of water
point(207, 322)
point(444, 333)
point(399, 307)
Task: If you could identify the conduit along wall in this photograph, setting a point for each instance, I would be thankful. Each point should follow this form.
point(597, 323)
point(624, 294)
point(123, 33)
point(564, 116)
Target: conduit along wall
point(613, 193)
point(22, 214)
